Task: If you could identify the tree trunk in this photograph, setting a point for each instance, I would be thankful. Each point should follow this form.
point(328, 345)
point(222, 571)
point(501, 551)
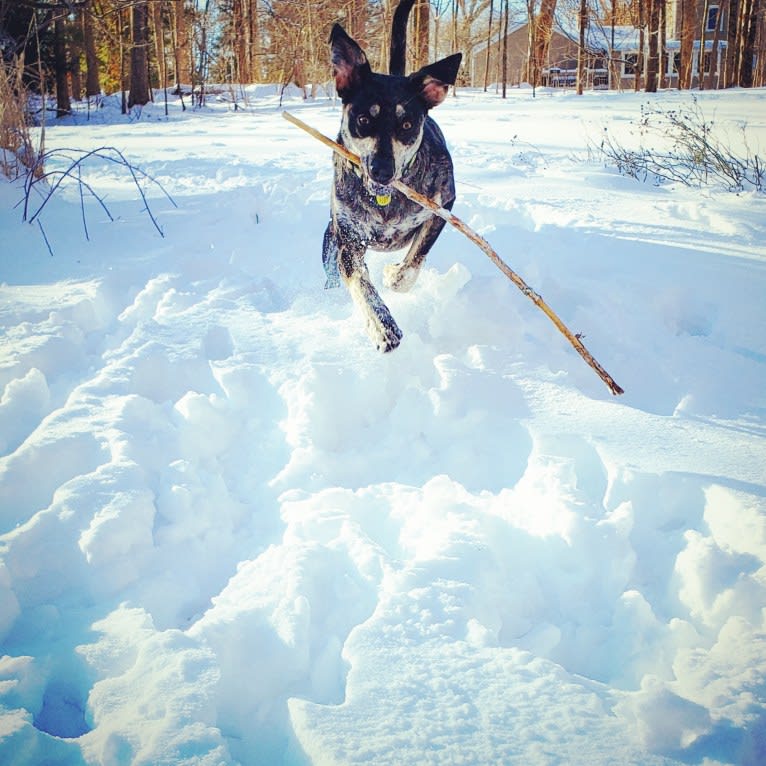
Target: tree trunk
point(121, 38)
point(139, 79)
point(505, 48)
point(712, 76)
point(531, 67)
point(455, 5)
point(92, 78)
point(158, 33)
point(75, 73)
point(63, 104)
point(251, 40)
point(687, 44)
point(542, 36)
point(701, 55)
point(640, 60)
point(653, 57)
point(581, 48)
point(614, 67)
point(740, 39)
point(749, 29)
point(730, 59)
point(662, 41)
point(422, 8)
point(759, 76)
point(489, 43)
point(181, 46)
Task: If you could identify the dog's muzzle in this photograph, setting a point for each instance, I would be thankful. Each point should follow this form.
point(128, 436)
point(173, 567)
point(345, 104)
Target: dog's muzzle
point(378, 174)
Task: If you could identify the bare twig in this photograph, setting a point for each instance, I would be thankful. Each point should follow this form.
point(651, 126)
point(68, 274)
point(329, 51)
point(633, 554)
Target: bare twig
point(53, 179)
point(482, 243)
point(686, 150)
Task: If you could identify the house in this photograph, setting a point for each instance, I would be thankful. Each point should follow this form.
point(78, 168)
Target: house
point(625, 42)
point(562, 57)
point(716, 25)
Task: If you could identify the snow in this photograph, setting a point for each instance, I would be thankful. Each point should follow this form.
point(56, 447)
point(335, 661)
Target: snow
point(234, 533)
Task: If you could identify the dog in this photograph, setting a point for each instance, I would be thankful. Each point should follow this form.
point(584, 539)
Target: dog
point(386, 123)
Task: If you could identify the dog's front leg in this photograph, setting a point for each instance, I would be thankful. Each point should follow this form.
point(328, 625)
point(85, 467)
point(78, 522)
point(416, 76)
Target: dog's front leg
point(379, 323)
point(330, 257)
point(403, 275)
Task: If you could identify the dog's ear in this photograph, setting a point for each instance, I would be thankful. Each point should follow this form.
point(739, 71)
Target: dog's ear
point(433, 80)
point(349, 63)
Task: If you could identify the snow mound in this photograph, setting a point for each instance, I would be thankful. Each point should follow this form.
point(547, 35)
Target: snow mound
point(233, 533)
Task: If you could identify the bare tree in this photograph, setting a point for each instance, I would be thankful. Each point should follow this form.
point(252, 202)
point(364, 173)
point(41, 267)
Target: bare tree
point(245, 41)
point(748, 26)
point(713, 75)
point(688, 24)
point(539, 37)
point(505, 45)
point(182, 55)
point(92, 78)
point(730, 54)
point(653, 17)
point(139, 51)
point(421, 25)
point(489, 42)
point(703, 34)
point(63, 103)
point(581, 49)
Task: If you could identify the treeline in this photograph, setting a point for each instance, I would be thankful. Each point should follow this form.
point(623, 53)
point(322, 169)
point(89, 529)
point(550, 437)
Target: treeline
point(79, 49)
point(719, 42)
point(703, 43)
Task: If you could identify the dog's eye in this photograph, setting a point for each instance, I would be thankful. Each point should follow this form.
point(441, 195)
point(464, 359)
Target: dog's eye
point(406, 125)
point(363, 120)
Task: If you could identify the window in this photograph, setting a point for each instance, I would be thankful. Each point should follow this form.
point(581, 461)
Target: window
point(665, 63)
point(713, 13)
point(630, 64)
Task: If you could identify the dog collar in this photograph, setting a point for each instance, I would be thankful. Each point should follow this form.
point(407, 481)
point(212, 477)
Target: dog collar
point(381, 199)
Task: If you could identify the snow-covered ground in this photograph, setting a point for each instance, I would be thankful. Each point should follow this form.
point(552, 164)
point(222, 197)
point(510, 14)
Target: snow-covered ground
point(232, 532)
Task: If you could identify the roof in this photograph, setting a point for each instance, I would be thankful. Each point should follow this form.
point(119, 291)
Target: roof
point(626, 38)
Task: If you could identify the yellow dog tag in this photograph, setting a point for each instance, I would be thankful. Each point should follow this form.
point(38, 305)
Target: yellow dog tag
point(382, 199)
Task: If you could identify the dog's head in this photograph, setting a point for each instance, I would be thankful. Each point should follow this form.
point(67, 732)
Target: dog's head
point(383, 115)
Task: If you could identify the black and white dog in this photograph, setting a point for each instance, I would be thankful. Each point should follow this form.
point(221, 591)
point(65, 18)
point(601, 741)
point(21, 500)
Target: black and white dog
point(385, 121)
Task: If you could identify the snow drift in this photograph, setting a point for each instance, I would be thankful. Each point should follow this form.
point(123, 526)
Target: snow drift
point(234, 533)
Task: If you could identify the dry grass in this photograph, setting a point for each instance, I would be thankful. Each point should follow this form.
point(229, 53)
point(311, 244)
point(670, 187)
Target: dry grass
point(18, 154)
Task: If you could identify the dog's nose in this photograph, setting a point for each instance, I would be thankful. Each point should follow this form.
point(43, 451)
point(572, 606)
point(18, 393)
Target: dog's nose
point(382, 168)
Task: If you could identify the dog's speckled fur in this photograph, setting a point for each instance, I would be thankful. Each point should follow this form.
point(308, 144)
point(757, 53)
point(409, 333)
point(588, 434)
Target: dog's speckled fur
point(385, 121)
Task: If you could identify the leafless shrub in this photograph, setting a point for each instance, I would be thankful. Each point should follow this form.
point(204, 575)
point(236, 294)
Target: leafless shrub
point(684, 147)
point(18, 153)
point(64, 167)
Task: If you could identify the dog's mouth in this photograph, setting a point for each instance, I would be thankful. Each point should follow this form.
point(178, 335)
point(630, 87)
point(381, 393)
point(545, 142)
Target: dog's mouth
point(380, 191)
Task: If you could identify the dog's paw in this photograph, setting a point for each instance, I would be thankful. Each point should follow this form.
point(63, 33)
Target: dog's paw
point(398, 277)
point(388, 337)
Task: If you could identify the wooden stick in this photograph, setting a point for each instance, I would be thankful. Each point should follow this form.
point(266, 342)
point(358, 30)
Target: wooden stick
point(482, 243)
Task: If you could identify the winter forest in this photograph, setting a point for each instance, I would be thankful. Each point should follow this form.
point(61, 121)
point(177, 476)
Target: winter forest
point(81, 48)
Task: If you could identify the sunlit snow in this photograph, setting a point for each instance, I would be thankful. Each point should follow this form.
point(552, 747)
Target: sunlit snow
point(231, 532)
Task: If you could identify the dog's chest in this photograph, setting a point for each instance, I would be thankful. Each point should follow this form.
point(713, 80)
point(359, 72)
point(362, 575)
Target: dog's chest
point(391, 226)
point(383, 227)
